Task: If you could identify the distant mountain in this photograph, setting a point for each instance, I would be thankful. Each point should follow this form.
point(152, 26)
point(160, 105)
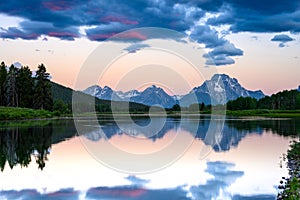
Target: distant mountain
point(60, 92)
point(154, 95)
point(299, 88)
point(150, 96)
point(105, 93)
point(221, 88)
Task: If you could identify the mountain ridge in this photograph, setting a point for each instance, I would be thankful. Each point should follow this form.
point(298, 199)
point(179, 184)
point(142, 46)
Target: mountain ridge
point(219, 89)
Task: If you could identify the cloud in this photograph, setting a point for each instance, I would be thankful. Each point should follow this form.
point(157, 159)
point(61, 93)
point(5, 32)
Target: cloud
point(137, 181)
point(223, 177)
point(281, 45)
point(17, 65)
point(228, 49)
point(218, 60)
point(204, 34)
point(136, 47)
point(220, 55)
point(134, 192)
point(254, 197)
point(15, 33)
point(68, 194)
point(102, 20)
point(282, 38)
point(29, 30)
point(257, 16)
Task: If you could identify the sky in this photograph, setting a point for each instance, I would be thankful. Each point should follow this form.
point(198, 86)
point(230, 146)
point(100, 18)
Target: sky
point(255, 41)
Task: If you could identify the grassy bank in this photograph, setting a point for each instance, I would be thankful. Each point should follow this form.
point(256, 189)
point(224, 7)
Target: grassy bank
point(264, 113)
point(290, 187)
point(11, 113)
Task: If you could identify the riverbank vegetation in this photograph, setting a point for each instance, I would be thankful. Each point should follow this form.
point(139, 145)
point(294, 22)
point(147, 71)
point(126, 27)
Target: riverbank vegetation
point(11, 113)
point(290, 186)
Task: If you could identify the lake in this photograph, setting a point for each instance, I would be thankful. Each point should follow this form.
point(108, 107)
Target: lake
point(190, 157)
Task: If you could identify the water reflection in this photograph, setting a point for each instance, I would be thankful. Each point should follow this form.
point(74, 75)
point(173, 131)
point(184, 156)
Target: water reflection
point(214, 188)
point(234, 130)
point(20, 142)
point(223, 177)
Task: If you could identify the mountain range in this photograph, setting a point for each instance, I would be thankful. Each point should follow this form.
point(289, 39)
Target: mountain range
point(219, 89)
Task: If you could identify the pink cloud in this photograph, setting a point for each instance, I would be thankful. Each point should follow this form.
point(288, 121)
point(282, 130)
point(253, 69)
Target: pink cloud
point(122, 20)
point(122, 192)
point(132, 35)
point(122, 36)
point(57, 5)
point(62, 34)
point(101, 36)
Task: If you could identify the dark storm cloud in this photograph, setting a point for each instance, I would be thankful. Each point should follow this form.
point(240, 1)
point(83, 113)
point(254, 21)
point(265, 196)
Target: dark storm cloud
point(117, 15)
point(204, 34)
point(32, 30)
point(259, 15)
point(103, 19)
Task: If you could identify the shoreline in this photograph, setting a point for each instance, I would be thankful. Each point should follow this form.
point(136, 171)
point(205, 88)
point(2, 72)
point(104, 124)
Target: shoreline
point(20, 114)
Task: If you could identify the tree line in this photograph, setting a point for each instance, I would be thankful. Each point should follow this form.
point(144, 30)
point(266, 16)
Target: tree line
point(20, 88)
point(284, 100)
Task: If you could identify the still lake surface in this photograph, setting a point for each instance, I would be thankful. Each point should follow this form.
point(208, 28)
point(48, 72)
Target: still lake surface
point(48, 160)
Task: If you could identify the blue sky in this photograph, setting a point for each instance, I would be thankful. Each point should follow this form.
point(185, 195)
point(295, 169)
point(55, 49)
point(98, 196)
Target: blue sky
point(216, 24)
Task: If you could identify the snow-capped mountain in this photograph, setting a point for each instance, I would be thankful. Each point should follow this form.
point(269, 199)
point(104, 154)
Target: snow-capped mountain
point(105, 93)
point(128, 95)
point(154, 96)
point(220, 89)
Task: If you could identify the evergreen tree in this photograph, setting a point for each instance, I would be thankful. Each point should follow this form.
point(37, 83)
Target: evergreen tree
point(42, 91)
point(3, 75)
point(10, 87)
point(25, 87)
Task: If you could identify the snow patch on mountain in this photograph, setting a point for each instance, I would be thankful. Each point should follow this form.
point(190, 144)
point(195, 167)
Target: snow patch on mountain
point(219, 89)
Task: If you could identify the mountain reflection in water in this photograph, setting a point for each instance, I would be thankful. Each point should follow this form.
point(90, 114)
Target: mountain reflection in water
point(234, 169)
point(19, 142)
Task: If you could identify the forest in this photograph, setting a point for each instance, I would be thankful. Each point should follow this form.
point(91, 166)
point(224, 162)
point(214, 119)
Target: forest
point(20, 88)
point(284, 100)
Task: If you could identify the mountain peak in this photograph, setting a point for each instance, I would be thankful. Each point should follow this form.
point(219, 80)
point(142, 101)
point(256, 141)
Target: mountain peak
point(299, 88)
point(211, 90)
point(153, 86)
point(106, 88)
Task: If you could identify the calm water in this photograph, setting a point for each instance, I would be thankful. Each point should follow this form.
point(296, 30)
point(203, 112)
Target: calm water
point(48, 160)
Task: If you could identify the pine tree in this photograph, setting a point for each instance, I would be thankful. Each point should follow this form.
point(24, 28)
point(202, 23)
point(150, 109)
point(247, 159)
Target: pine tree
point(25, 87)
point(3, 75)
point(43, 90)
point(10, 87)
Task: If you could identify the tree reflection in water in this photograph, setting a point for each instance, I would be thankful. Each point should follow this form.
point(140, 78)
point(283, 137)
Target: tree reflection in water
point(19, 144)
